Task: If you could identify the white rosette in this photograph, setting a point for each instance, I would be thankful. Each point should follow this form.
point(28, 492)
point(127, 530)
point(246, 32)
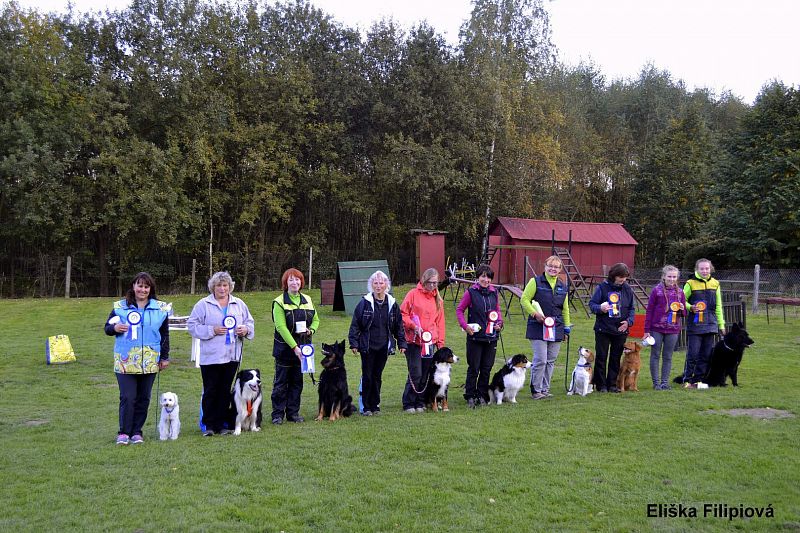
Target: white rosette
point(134, 320)
point(549, 333)
point(229, 323)
point(427, 337)
point(494, 316)
point(307, 359)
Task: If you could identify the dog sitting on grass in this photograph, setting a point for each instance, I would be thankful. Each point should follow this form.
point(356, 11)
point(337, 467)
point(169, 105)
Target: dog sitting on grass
point(631, 363)
point(169, 427)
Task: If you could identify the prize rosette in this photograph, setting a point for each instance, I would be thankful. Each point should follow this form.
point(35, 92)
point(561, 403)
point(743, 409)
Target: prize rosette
point(699, 312)
point(229, 323)
point(674, 307)
point(307, 359)
point(134, 319)
point(494, 316)
point(549, 329)
point(613, 301)
point(427, 337)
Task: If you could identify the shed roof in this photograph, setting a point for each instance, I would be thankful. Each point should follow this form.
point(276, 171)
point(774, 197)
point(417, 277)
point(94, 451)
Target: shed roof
point(541, 230)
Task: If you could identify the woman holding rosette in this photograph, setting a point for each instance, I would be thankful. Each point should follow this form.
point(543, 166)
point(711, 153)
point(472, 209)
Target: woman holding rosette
point(662, 324)
point(221, 321)
point(482, 327)
point(705, 320)
point(612, 303)
point(544, 300)
point(423, 320)
point(141, 350)
point(296, 320)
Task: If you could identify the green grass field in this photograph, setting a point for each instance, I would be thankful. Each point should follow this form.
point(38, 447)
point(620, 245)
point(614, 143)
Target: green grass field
point(563, 464)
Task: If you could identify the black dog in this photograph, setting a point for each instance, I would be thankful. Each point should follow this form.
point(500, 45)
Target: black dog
point(334, 399)
point(726, 357)
point(439, 379)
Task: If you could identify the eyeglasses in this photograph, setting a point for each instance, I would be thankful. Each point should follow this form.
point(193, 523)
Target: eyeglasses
point(431, 283)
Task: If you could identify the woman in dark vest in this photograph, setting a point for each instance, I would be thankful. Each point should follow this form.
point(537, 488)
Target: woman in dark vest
point(295, 322)
point(483, 307)
point(545, 302)
point(705, 320)
point(612, 303)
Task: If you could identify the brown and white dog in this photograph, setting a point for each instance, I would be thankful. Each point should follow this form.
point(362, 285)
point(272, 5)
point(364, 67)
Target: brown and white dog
point(582, 374)
point(629, 371)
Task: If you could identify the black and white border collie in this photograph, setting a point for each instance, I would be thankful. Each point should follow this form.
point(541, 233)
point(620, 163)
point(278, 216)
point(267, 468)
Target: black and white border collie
point(439, 379)
point(247, 399)
point(507, 381)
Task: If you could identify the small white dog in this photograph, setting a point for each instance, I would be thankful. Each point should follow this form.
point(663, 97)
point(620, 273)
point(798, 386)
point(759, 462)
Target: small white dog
point(170, 424)
point(582, 375)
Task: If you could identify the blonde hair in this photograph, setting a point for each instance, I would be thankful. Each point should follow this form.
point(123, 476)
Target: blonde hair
point(426, 276)
point(554, 259)
point(666, 270)
point(704, 260)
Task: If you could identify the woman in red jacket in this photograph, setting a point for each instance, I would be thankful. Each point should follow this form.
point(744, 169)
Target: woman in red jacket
point(423, 320)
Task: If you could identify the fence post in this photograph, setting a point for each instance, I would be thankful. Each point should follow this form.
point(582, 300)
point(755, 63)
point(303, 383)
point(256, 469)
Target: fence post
point(194, 270)
point(310, 264)
point(756, 284)
point(68, 277)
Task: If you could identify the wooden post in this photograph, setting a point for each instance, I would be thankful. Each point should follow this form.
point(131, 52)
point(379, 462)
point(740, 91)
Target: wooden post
point(68, 277)
point(756, 284)
point(310, 264)
point(194, 271)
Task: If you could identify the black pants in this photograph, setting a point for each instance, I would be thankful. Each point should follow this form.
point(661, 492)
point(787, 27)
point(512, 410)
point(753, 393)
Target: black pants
point(607, 346)
point(134, 401)
point(418, 369)
point(217, 397)
point(480, 360)
point(287, 387)
point(372, 365)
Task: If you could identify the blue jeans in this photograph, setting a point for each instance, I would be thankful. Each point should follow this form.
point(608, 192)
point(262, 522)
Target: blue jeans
point(698, 355)
point(663, 348)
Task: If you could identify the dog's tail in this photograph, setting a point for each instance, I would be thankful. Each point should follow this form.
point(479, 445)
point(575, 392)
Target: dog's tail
point(350, 409)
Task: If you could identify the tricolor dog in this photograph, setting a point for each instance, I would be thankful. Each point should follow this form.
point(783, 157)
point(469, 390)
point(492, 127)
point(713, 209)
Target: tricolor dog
point(507, 381)
point(247, 399)
point(439, 379)
point(582, 375)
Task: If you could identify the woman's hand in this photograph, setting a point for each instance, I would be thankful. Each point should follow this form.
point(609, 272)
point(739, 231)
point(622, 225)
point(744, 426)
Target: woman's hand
point(539, 317)
point(164, 363)
point(355, 351)
point(220, 330)
point(469, 331)
point(121, 328)
point(242, 331)
point(298, 353)
point(605, 306)
point(623, 326)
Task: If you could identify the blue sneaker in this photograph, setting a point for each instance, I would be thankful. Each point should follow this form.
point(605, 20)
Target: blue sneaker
point(123, 439)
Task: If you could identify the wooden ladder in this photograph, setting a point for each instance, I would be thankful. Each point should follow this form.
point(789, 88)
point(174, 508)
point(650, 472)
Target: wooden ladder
point(579, 288)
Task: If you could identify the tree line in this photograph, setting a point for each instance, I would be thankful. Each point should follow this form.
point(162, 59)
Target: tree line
point(141, 139)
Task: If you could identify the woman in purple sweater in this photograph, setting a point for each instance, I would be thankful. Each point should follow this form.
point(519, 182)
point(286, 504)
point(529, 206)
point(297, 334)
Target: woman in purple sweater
point(666, 306)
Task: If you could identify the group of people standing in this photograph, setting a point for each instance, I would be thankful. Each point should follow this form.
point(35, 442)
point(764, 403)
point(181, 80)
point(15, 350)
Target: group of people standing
point(416, 328)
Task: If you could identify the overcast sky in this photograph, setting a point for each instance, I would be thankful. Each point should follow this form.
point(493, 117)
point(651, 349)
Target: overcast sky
point(735, 45)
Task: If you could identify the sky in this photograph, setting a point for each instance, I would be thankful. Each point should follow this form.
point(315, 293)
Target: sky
point(722, 45)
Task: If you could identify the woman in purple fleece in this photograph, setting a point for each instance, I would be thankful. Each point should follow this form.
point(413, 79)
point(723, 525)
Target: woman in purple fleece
point(665, 308)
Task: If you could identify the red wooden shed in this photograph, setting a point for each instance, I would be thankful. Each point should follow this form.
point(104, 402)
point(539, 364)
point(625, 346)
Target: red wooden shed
point(594, 245)
point(430, 250)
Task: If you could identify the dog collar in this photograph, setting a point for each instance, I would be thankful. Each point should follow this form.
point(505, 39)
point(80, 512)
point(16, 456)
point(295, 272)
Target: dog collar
point(586, 365)
point(726, 345)
point(168, 410)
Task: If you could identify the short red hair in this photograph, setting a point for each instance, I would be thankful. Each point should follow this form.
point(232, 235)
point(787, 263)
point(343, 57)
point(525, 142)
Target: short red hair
point(292, 272)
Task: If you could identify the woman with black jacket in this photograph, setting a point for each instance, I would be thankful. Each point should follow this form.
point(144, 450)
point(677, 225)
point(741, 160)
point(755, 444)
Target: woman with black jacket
point(375, 330)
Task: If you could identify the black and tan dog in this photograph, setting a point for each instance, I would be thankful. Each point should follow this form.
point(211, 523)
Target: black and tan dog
point(334, 399)
point(726, 357)
point(439, 379)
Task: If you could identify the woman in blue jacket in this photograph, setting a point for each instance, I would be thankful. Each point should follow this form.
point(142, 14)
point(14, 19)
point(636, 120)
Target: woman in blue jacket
point(376, 328)
point(141, 349)
point(612, 302)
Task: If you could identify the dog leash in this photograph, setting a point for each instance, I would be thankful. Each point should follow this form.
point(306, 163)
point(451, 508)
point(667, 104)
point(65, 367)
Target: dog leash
point(566, 367)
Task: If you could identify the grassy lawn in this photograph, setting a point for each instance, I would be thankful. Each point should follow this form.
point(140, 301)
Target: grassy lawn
point(563, 464)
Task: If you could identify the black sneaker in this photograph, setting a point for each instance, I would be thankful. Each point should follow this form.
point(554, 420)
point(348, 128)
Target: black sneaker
point(225, 431)
point(471, 403)
point(208, 433)
point(277, 421)
point(296, 419)
point(613, 389)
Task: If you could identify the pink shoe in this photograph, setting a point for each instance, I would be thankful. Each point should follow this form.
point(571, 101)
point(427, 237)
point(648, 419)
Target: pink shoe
point(123, 439)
